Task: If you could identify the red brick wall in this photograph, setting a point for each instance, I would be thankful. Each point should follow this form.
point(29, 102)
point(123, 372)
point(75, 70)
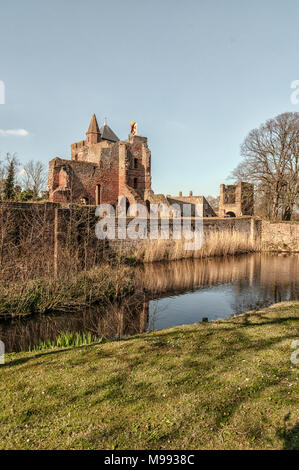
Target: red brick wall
point(110, 165)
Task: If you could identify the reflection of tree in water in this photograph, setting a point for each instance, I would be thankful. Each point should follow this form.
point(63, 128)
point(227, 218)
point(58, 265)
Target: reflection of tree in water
point(187, 275)
point(112, 322)
point(259, 295)
point(260, 279)
point(156, 313)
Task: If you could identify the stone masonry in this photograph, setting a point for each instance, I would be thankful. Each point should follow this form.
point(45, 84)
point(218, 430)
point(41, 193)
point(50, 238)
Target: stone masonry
point(193, 200)
point(101, 168)
point(236, 200)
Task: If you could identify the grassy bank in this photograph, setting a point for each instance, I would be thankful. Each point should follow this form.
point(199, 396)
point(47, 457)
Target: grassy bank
point(223, 385)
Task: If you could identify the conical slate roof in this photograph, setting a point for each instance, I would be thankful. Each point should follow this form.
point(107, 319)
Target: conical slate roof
point(108, 134)
point(93, 126)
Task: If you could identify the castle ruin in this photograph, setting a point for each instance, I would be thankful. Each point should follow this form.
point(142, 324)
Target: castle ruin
point(236, 199)
point(103, 167)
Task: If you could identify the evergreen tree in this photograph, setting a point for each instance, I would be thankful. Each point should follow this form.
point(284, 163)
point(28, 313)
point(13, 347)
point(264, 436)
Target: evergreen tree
point(9, 185)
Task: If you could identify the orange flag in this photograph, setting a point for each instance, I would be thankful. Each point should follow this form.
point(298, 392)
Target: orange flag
point(133, 128)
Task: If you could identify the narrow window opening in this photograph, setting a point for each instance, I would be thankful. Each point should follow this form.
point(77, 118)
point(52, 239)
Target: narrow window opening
point(98, 194)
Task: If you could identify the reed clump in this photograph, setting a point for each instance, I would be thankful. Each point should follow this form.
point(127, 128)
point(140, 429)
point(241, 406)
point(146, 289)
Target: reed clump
point(217, 243)
point(100, 285)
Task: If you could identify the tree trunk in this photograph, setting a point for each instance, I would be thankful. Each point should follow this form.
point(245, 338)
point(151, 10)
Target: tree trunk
point(287, 212)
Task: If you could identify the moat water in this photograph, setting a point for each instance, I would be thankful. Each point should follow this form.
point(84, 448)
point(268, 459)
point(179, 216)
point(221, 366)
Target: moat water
point(177, 293)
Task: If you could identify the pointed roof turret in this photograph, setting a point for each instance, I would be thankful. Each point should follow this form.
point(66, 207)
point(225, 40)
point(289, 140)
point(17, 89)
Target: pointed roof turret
point(108, 134)
point(95, 135)
point(93, 126)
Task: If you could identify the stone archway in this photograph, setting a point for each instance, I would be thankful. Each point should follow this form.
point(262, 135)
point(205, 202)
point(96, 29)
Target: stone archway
point(230, 214)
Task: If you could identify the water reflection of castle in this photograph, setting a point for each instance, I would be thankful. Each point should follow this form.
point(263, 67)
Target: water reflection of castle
point(258, 280)
point(271, 271)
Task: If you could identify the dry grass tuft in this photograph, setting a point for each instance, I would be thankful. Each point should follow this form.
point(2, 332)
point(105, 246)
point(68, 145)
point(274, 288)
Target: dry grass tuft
point(224, 243)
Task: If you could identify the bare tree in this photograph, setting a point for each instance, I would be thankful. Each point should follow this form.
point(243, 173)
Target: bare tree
point(34, 177)
point(214, 202)
point(271, 161)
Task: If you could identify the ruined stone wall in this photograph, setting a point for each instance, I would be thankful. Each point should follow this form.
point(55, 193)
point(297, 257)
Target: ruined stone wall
point(93, 152)
point(135, 168)
point(77, 150)
point(72, 181)
point(236, 199)
point(108, 177)
point(280, 236)
point(102, 172)
point(83, 178)
point(192, 200)
point(37, 227)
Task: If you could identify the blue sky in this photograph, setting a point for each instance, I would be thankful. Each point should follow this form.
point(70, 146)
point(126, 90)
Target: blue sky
point(197, 76)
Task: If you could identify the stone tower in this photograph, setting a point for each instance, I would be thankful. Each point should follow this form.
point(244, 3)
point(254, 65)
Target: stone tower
point(93, 135)
point(101, 169)
point(236, 199)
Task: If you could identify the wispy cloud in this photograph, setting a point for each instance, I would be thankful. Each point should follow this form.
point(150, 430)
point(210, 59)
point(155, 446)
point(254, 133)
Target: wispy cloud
point(14, 132)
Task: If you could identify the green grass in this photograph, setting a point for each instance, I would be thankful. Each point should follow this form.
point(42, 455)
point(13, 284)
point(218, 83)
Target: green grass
point(222, 385)
point(67, 339)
